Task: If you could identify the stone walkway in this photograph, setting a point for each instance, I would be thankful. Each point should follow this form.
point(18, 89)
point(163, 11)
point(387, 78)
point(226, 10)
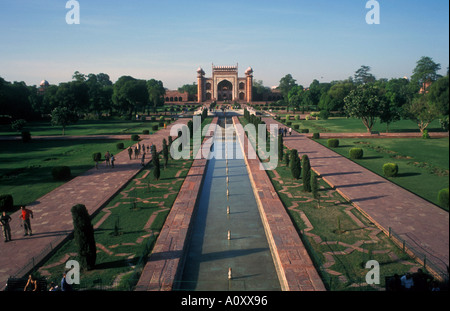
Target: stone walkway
point(52, 221)
point(417, 221)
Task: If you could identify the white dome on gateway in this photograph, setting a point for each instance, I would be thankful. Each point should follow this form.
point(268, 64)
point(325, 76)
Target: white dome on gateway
point(225, 84)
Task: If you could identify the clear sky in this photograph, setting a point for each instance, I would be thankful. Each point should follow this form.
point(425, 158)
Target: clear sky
point(169, 39)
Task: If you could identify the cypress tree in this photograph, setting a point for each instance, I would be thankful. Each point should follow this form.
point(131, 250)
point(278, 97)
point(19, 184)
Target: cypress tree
point(156, 168)
point(84, 236)
point(295, 164)
point(315, 187)
point(306, 173)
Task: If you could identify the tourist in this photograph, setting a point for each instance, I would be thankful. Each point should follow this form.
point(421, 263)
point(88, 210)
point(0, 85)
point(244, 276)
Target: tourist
point(130, 152)
point(394, 284)
point(407, 282)
point(290, 131)
point(422, 281)
point(65, 286)
point(285, 132)
point(25, 216)
point(4, 222)
point(143, 159)
point(32, 283)
point(107, 158)
point(53, 287)
point(112, 160)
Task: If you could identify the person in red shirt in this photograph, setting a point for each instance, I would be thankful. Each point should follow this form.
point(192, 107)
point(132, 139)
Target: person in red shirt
point(25, 216)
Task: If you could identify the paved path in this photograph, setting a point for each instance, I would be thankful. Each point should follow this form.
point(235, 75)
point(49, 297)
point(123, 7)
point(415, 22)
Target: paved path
point(419, 222)
point(52, 221)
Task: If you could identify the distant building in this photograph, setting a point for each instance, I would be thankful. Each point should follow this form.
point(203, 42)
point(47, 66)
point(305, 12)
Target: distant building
point(43, 87)
point(224, 85)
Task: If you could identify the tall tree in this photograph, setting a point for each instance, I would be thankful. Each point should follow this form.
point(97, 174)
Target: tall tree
point(306, 173)
point(156, 92)
point(84, 236)
point(63, 116)
point(286, 84)
point(365, 103)
point(425, 73)
point(363, 75)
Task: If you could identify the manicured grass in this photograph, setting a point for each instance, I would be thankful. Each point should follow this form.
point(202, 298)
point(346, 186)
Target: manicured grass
point(97, 127)
point(344, 125)
point(127, 229)
point(339, 239)
point(423, 163)
point(25, 169)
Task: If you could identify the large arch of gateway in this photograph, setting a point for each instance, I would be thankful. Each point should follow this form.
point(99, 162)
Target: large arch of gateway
point(225, 84)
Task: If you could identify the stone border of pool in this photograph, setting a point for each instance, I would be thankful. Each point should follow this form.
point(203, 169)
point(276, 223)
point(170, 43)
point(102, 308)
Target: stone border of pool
point(167, 259)
point(295, 268)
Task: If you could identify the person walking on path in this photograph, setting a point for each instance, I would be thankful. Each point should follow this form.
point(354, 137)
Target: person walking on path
point(4, 222)
point(290, 131)
point(130, 152)
point(107, 158)
point(25, 216)
point(143, 159)
point(112, 160)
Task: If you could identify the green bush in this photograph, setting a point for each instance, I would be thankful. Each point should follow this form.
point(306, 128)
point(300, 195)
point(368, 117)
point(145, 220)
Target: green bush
point(305, 131)
point(333, 142)
point(288, 123)
point(316, 135)
point(26, 136)
point(155, 127)
point(119, 146)
point(295, 164)
point(7, 202)
point(97, 156)
point(356, 153)
point(443, 198)
point(425, 134)
point(390, 169)
point(135, 137)
point(296, 126)
point(145, 132)
point(61, 173)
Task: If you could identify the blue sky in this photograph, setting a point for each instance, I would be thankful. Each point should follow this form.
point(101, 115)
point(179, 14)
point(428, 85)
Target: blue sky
point(169, 39)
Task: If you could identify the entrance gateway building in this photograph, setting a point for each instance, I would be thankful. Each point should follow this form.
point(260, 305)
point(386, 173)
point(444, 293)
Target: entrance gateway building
point(225, 85)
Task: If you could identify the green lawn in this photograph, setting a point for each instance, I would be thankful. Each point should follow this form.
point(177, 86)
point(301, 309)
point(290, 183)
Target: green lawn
point(127, 229)
point(423, 163)
point(344, 125)
point(339, 239)
point(25, 169)
point(96, 127)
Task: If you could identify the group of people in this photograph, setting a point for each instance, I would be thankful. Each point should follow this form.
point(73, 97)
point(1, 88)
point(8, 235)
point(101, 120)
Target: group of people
point(109, 159)
point(419, 281)
point(137, 150)
point(24, 216)
point(32, 285)
point(284, 131)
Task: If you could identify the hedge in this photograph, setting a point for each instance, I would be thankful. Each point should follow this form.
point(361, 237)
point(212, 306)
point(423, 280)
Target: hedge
point(61, 173)
point(97, 156)
point(316, 135)
point(356, 153)
point(119, 146)
point(145, 132)
point(390, 169)
point(155, 127)
point(6, 203)
point(333, 142)
point(135, 137)
point(304, 131)
point(296, 126)
point(443, 198)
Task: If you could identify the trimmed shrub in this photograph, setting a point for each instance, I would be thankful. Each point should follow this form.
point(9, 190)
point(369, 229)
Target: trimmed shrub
point(333, 142)
point(61, 173)
point(316, 135)
point(443, 198)
point(390, 169)
point(84, 236)
point(288, 123)
point(155, 127)
point(356, 153)
point(294, 164)
point(304, 131)
point(119, 146)
point(306, 173)
point(296, 126)
point(425, 134)
point(135, 137)
point(145, 132)
point(26, 136)
point(6, 203)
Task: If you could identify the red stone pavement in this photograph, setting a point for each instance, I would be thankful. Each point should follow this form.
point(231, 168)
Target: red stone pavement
point(52, 222)
point(419, 222)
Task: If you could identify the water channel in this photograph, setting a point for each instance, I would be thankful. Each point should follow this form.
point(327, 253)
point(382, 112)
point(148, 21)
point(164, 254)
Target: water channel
point(221, 241)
